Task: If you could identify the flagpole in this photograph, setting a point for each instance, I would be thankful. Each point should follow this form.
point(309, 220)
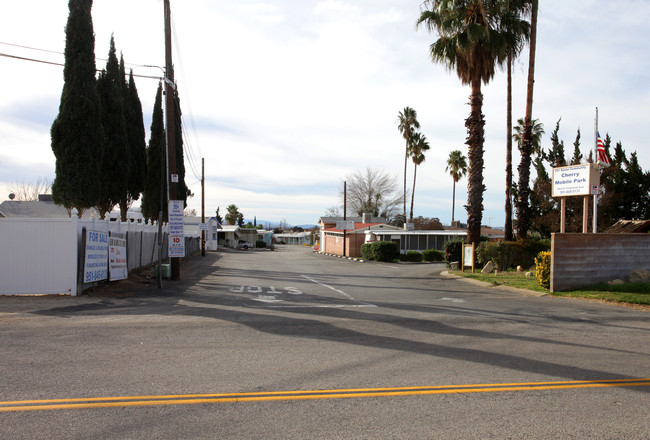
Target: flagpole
point(595, 219)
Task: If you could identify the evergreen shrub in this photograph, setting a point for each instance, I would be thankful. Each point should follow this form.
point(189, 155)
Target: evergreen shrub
point(260, 244)
point(366, 251)
point(385, 251)
point(433, 255)
point(453, 250)
point(527, 250)
point(501, 253)
point(412, 256)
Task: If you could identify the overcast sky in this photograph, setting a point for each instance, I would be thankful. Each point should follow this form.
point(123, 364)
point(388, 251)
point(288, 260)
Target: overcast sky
point(285, 98)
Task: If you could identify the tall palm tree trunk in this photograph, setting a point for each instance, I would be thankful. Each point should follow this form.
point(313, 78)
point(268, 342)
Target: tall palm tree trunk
point(508, 224)
point(453, 201)
point(406, 159)
point(415, 172)
point(523, 206)
point(475, 137)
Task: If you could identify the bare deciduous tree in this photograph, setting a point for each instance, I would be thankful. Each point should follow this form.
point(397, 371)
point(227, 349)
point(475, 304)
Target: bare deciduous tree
point(373, 191)
point(28, 192)
point(333, 211)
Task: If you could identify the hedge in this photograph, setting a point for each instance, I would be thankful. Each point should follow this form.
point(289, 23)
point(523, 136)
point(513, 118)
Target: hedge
point(453, 250)
point(412, 256)
point(433, 255)
point(366, 251)
point(385, 251)
point(506, 254)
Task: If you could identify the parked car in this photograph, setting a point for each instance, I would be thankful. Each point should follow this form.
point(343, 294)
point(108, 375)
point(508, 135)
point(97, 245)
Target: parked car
point(244, 245)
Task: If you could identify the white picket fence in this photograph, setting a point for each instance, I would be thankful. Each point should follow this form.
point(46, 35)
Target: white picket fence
point(41, 256)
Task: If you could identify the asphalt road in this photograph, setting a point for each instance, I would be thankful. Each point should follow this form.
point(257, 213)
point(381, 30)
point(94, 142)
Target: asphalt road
point(292, 344)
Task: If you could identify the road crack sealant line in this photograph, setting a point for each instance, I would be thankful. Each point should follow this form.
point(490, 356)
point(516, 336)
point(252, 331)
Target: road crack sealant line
point(193, 399)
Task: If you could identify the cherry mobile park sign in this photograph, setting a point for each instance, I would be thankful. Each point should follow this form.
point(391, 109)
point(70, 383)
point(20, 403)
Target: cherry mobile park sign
point(576, 180)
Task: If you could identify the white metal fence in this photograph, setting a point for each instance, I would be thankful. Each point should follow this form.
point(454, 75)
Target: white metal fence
point(41, 256)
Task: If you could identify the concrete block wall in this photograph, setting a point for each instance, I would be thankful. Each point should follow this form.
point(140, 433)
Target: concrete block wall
point(578, 260)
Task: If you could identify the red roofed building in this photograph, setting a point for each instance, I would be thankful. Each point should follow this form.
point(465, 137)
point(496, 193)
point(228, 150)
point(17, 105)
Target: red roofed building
point(332, 238)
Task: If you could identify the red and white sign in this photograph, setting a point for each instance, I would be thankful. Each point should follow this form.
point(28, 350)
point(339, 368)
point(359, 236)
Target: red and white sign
point(176, 246)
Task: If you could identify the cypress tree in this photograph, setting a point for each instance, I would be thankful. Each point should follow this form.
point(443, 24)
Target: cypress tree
point(76, 133)
point(556, 152)
point(115, 164)
point(577, 155)
point(638, 189)
point(136, 142)
point(545, 217)
point(182, 192)
point(155, 177)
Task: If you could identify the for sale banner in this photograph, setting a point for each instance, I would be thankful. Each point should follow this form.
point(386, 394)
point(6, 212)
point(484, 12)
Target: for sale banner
point(117, 264)
point(96, 261)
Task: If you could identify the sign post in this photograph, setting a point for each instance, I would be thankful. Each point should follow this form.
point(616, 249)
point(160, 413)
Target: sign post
point(575, 180)
point(467, 257)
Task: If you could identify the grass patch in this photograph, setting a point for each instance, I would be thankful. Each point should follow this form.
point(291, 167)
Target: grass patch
point(630, 293)
point(509, 278)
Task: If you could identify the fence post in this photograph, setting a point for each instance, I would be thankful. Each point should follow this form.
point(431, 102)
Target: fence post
point(77, 266)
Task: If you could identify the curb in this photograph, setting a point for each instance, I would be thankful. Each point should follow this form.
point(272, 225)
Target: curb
point(526, 292)
point(358, 260)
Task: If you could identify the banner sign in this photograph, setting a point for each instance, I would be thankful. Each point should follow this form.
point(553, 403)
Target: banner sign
point(176, 229)
point(96, 261)
point(576, 180)
point(117, 267)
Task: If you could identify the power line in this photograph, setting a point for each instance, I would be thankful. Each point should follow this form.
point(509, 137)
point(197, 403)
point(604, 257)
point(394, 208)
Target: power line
point(191, 153)
point(61, 53)
point(30, 59)
point(63, 65)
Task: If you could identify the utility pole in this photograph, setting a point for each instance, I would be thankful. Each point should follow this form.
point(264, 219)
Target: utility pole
point(172, 177)
point(345, 212)
point(203, 206)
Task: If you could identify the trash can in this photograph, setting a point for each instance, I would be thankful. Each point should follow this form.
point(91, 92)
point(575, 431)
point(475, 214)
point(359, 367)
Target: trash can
point(165, 271)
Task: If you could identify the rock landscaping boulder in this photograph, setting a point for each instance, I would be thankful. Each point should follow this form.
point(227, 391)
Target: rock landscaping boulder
point(488, 268)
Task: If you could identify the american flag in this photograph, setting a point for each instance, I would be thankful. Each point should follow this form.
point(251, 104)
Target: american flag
point(602, 154)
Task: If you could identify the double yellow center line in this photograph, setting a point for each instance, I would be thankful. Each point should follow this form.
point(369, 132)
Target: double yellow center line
point(193, 399)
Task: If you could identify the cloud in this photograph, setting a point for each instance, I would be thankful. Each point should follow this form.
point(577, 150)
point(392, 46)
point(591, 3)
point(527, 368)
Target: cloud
point(285, 98)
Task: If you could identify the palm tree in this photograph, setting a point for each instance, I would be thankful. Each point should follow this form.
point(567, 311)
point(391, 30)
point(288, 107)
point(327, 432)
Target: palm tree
point(233, 214)
point(457, 168)
point(518, 32)
point(523, 206)
point(537, 132)
point(407, 123)
point(471, 41)
point(419, 144)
